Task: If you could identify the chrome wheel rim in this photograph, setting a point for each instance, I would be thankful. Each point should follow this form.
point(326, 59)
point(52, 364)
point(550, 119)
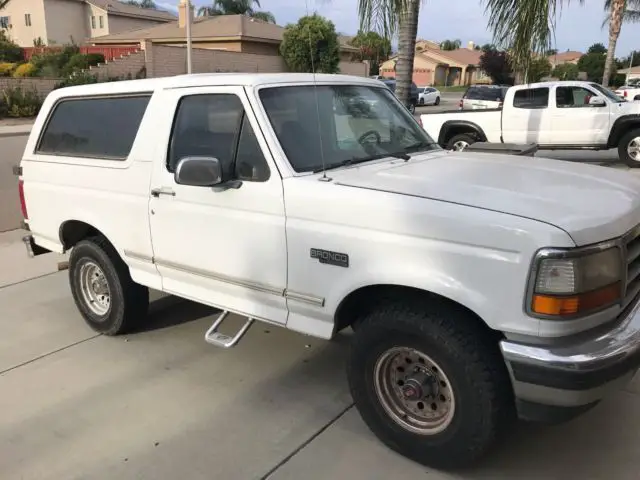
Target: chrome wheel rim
point(95, 288)
point(414, 391)
point(633, 149)
point(459, 146)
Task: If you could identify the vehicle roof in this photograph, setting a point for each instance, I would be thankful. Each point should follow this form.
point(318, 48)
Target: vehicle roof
point(208, 79)
point(566, 83)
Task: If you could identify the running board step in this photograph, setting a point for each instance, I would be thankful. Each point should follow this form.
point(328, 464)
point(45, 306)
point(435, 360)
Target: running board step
point(220, 339)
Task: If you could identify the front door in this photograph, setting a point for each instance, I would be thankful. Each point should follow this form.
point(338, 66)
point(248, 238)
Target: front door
point(223, 246)
point(575, 122)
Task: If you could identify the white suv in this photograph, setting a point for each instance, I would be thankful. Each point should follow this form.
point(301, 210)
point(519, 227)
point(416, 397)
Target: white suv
point(479, 286)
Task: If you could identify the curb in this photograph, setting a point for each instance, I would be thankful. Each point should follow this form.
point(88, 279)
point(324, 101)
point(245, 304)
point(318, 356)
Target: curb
point(16, 130)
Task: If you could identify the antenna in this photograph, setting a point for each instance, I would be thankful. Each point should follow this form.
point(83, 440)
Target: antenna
point(315, 91)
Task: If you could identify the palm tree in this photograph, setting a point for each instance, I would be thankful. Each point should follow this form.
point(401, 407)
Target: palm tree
point(236, 7)
point(149, 4)
point(619, 11)
point(389, 17)
point(451, 44)
point(523, 27)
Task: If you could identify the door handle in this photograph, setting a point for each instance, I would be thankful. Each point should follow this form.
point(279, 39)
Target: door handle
point(156, 192)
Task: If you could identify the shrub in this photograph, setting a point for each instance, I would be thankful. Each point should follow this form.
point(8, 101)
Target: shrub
point(25, 70)
point(21, 103)
point(6, 69)
point(80, 78)
point(9, 51)
point(311, 30)
point(94, 59)
point(80, 61)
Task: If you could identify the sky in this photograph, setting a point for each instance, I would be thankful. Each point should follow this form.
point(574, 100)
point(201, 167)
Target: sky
point(578, 26)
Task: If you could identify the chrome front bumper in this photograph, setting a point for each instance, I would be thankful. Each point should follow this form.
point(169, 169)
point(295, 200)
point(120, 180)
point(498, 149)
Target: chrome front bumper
point(574, 376)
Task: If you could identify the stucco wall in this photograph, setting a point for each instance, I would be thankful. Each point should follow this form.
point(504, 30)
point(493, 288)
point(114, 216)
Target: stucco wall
point(94, 12)
point(66, 19)
point(19, 32)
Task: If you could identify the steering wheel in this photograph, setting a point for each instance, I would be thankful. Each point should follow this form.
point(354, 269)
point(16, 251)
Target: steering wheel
point(362, 138)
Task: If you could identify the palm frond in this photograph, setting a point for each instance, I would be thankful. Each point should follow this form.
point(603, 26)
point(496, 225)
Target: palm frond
point(380, 16)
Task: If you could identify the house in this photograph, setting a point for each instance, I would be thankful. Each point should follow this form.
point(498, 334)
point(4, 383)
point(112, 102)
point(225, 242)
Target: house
point(561, 58)
point(632, 73)
point(59, 22)
point(235, 33)
point(434, 66)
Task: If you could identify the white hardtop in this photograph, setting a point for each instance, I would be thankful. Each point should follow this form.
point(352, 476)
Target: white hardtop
point(550, 84)
point(209, 79)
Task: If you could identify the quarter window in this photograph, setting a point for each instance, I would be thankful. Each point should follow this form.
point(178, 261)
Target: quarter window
point(531, 98)
point(217, 126)
point(102, 128)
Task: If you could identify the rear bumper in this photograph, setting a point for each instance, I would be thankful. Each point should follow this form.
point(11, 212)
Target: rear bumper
point(570, 378)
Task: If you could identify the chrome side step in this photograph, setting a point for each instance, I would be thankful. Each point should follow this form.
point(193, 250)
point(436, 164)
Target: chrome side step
point(220, 339)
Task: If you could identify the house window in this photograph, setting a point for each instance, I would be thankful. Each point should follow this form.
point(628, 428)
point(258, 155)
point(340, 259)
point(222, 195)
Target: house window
point(101, 19)
point(27, 19)
point(93, 22)
point(5, 22)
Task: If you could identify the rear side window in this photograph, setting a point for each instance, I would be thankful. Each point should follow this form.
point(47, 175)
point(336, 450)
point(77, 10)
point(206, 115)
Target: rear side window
point(531, 98)
point(102, 128)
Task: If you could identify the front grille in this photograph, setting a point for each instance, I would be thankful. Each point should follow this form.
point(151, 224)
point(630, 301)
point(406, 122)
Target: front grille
point(632, 249)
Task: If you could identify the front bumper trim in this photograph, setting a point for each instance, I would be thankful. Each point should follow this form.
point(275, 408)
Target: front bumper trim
point(579, 371)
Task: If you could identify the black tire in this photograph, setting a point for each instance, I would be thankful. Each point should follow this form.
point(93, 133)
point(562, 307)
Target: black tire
point(437, 101)
point(461, 137)
point(129, 301)
point(421, 101)
point(412, 108)
point(469, 357)
point(622, 148)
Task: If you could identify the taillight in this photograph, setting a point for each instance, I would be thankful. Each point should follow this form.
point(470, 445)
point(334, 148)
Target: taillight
point(23, 204)
point(460, 104)
point(625, 93)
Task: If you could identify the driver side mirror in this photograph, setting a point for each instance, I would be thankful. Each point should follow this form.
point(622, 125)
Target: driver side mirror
point(597, 102)
point(198, 172)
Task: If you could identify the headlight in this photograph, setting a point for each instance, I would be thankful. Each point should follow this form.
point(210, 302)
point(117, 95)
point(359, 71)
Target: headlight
point(570, 283)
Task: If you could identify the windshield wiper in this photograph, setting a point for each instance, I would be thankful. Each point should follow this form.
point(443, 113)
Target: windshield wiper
point(345, 163)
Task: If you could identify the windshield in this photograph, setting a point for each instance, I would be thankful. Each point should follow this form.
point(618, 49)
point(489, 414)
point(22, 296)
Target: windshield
point(607, 93)
point(492, 94)
point(347, 124)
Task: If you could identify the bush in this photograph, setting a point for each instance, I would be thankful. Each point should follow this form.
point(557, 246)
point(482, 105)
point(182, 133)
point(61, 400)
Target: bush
point(21, 103)
point(25, 70)
point(10, 52)
point(297, 39)
point(81, 78)
point(80, 61)
point(6, 69)
point(52, 63)
point(94, 59)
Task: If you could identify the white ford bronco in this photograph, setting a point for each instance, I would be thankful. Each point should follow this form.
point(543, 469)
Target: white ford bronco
point(480, 287)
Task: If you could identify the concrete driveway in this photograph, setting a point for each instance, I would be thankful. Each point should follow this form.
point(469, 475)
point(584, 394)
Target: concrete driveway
point(163, 404)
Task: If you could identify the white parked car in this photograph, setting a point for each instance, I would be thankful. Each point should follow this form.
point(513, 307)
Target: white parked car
point(479, 286)
point(566, 115)
point(428, 96)
point(628, 92)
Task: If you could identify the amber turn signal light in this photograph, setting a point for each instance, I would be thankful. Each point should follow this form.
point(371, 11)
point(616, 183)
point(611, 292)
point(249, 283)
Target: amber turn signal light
point(569, 305)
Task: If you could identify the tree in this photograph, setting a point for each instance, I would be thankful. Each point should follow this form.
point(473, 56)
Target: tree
point(524, 27)
point(389, 17)
point(539, 67)
point(311, 45)
point(3, 3)
point(450, 44)
point(593, 65)
point(488, 47)
point(236, 7)
point(150, 4)
point(566, 71)
point(373, 47)
point(497, 66)
point(619, 11)
point(551, 51)
point(597, 48)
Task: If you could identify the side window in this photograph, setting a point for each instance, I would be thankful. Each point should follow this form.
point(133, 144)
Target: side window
point(568, 97)
point(103, 128)
point(215, 125)
point(531, 98)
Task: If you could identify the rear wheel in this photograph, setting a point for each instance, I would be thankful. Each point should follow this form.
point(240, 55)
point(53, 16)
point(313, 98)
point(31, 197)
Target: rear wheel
point(437, 101)
point(429, 383)
point(460, 142)
point(108, 299)
point(629, 148)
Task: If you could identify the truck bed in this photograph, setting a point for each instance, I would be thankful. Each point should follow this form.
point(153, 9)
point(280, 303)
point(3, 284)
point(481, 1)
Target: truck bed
point(439, 125)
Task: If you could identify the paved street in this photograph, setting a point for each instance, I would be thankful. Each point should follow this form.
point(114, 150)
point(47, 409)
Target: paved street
point(163, 404)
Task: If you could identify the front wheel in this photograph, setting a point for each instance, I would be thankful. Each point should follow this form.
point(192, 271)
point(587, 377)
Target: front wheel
point(460, 142)
point(629, 148)
point(429, 383)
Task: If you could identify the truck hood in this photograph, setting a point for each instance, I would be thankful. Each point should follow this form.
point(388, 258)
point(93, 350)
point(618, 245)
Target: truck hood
point(591, 203)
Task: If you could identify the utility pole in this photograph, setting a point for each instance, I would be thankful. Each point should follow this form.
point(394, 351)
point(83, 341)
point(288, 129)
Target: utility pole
point(188, 31)
point(626, 81)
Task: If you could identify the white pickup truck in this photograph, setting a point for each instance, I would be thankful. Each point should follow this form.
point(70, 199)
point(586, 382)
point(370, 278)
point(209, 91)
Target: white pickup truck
point(479, 290)
point(567, 115)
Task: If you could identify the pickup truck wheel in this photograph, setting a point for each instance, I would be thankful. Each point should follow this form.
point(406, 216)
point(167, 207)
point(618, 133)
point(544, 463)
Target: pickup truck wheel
point(629, 148)
point(460, 142)
point(108, 299)
point(429, 383)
